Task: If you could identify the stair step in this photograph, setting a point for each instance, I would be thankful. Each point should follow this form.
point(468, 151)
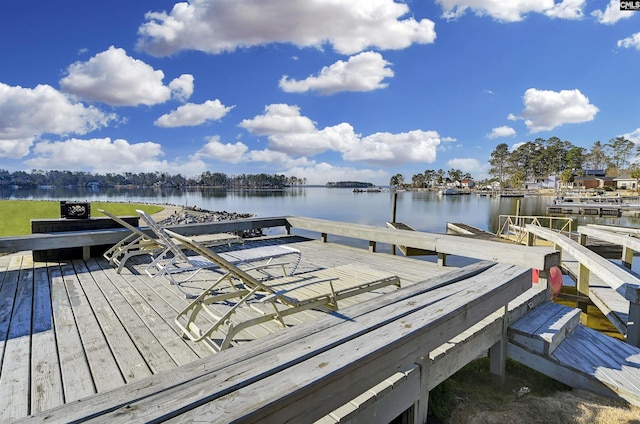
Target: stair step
point(544, 328)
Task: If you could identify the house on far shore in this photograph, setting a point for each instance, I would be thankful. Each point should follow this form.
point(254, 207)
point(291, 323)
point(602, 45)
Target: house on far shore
point(467, 184)
point(540, 183)
point(591, 182)
point(625, 182)
point(93, 185)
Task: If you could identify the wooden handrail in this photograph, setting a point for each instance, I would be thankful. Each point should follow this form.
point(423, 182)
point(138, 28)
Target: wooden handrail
point(68, 239)
point(526, 256)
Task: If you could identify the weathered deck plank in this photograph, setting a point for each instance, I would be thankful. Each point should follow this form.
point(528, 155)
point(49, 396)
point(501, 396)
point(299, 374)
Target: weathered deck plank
point(103, 367)
point(14, 380)
point(77, 381)
point(46, 384)
point(163, 333)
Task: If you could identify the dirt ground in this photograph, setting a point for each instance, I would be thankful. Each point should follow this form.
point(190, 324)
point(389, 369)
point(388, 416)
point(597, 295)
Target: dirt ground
point(527, 397)
point(575, 406)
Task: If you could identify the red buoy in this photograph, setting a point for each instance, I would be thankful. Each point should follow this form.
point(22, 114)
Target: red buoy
point(555, 281)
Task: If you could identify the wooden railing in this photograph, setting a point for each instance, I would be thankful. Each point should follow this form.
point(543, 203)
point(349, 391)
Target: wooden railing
point(529, 257)
point(512, 227)
point(541, 258)
point(112, 236)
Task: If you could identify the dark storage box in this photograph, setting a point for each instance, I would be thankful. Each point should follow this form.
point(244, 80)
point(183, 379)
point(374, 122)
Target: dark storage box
point(75, 210)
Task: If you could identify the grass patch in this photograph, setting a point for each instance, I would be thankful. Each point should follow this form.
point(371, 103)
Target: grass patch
point(16, 215)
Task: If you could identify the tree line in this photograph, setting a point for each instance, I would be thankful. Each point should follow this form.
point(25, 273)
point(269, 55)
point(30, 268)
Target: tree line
point(539, 159)
point(58, 178)
point(542, 158)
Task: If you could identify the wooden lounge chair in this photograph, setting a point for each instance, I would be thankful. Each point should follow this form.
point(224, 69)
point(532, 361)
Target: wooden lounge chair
point(179, 268)
point(282, 297)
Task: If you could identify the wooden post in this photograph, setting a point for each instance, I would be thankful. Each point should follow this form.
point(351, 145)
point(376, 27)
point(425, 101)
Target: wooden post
point(633, 326)
point(324, 237)
point(583, 286)
point(442, 259)
point(530, 238)
point(422, 406)
point(583, 239)
point(372, 246)
point(498, 354)
point(393, 216)
point(627, 257)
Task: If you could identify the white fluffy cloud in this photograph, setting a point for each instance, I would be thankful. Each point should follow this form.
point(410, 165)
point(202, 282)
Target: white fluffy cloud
point(117, 79)
point(103, 155)
point(545, 110)
point(26, 114)
point(633, 136)
point(224, 152)
point(629, 42)
point(191, 114)
point(363, 72)
point(395, 149)
point(512, 11)
point(612, 13)
point(503, 131)
point(291, 133)
point(225, 25)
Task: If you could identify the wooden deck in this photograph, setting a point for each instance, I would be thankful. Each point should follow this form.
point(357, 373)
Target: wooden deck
point(77, 339)
point(69, 330)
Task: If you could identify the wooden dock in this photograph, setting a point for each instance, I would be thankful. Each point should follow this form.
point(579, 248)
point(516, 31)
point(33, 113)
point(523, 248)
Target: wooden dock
point(108, 350)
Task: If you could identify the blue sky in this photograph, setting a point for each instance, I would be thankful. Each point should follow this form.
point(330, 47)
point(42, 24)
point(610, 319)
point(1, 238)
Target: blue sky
point(326, 90)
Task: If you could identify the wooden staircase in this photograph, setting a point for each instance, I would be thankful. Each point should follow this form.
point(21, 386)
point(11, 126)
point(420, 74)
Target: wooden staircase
point(551, 340)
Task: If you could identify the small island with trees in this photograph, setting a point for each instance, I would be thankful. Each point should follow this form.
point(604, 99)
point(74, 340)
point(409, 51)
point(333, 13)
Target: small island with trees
point(348, 184)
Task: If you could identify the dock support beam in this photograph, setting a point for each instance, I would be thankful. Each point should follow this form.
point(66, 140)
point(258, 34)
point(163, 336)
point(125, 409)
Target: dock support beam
point(583, 286)
point(498, 354)
point(421, 407)
point(442, 259)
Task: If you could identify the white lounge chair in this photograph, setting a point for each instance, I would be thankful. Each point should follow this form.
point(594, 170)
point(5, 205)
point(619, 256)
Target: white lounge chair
point(179, 268)
point(140, 243)
point(286, 296)
point(136, 243)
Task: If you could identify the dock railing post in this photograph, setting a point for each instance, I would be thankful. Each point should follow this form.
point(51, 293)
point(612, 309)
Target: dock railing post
point(633, 323)
point(627, 257)
point(393, 217)
point(583, 287)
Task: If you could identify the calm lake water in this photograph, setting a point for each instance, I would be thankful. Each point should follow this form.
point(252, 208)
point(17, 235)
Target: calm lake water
point(425, 211)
